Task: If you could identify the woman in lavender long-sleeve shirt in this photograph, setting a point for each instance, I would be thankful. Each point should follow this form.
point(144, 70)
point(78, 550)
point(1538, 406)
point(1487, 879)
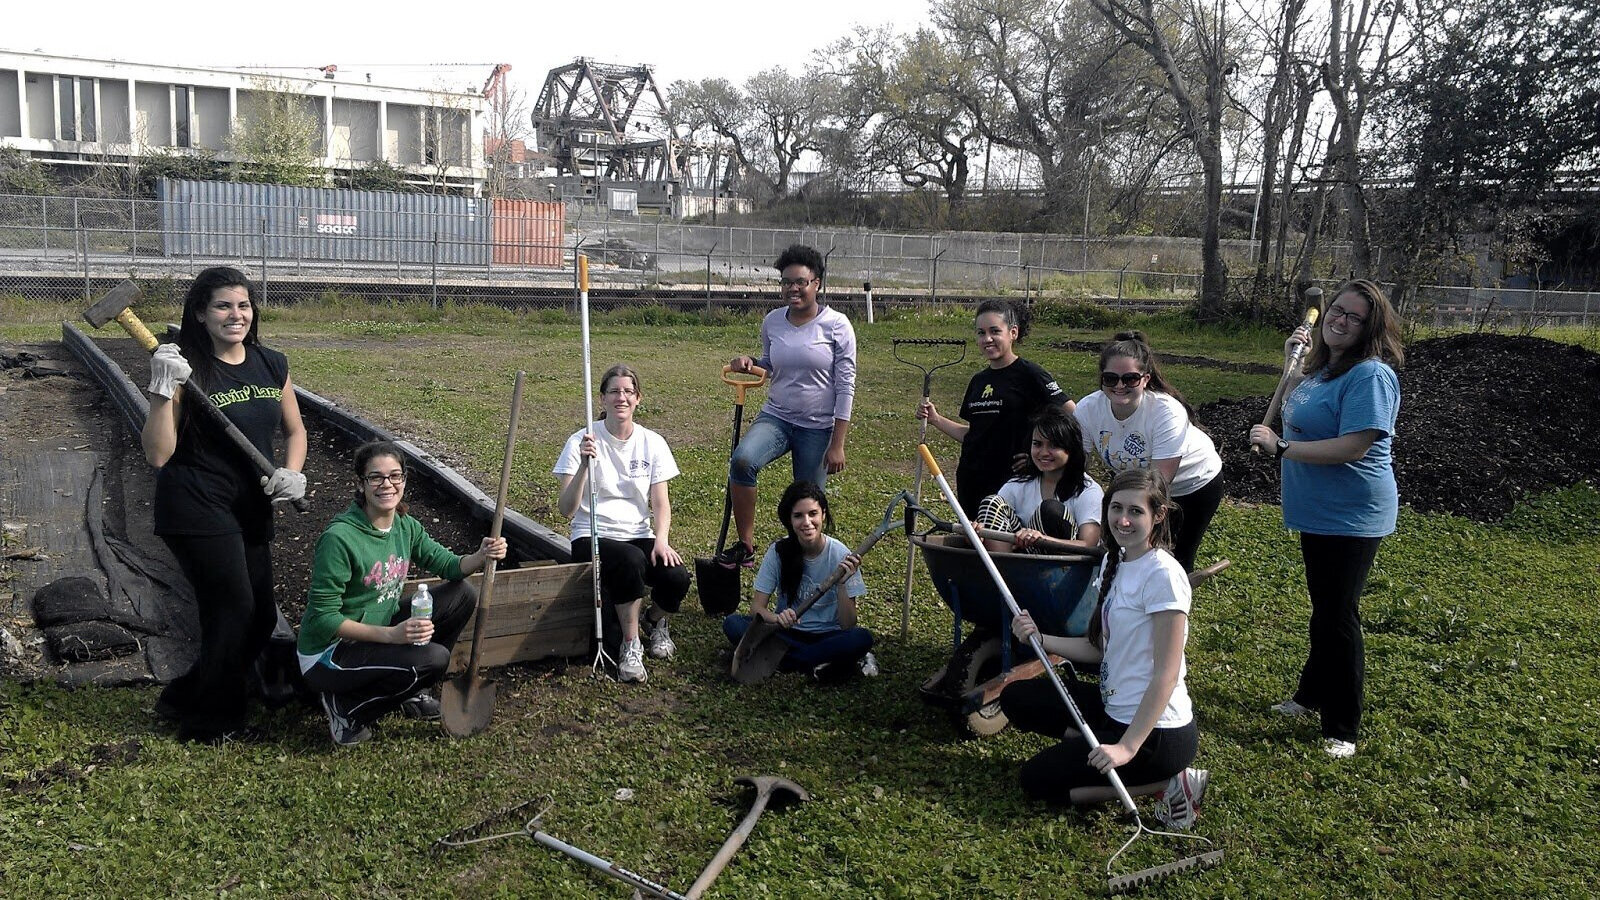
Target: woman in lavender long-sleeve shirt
point(809, 351)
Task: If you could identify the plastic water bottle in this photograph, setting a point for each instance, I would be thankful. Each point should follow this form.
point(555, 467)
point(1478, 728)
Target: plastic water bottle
point(421, 606)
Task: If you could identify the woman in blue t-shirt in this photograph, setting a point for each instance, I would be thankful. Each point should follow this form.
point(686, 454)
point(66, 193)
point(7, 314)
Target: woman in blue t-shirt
point(1339, 492)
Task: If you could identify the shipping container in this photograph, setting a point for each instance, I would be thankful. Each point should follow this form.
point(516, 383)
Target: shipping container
point(233, 220)
point(528, 232)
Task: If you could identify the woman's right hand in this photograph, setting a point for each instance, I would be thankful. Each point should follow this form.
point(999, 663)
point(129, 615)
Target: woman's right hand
point(927, 411)
point(1300, 336)
point(1022, 626)
point(784, 619)
point(586, 446)
point(411, 631)
point(742, 363)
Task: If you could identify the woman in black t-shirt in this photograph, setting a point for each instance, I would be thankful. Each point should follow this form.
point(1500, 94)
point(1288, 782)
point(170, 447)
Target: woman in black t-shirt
point(998, 407)
point(211, 507)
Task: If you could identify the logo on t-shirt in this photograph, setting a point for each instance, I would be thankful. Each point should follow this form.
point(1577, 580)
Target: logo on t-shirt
point(637, 467)
point(1134, 445)
point(988, 391)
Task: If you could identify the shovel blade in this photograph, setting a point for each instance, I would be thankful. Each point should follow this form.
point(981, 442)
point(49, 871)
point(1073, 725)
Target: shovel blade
point(466, 705)
point(759, 653)
point(718, 586)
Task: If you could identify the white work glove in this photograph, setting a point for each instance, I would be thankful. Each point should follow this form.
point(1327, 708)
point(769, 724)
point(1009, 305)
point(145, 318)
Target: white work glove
point(168, 370)
point(284, 485)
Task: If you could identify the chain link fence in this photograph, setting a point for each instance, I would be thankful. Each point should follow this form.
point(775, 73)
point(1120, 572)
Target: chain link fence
point(74, 247)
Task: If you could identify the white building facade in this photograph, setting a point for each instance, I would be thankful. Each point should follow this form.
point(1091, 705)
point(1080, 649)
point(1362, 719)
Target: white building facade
point(72, 111)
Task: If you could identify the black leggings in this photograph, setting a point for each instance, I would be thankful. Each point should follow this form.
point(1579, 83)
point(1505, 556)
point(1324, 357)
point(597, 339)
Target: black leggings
point(371, 680)
point(626, 570)
point(1334, 675)
point(1052, 773)
point(1196, 510)
point(232, 582)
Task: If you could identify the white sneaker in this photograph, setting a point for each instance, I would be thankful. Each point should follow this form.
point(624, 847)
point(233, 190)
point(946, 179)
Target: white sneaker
point(869, 665)
point(1179, 804)
point(632, 666)
point(661, 645)
point(1338, 749)
point(1292, 710)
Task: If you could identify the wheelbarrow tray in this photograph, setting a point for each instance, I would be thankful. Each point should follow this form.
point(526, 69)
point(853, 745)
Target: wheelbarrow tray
point(1056, 590)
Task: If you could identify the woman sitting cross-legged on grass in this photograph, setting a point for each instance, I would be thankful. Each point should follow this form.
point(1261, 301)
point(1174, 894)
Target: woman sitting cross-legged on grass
point(632, 466)
point(359, 646)
point(825, 642)
point(1140, 710)
point(1053, 506)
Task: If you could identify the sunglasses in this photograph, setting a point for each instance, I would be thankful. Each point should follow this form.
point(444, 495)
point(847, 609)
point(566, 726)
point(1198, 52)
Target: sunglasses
point(1128, 379)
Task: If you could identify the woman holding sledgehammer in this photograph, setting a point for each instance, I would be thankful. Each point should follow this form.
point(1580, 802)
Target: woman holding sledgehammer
point(809, 352)
point(998, 406)
point(212, 509)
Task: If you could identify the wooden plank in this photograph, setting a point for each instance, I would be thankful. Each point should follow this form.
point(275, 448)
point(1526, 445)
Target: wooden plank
point(537, 613)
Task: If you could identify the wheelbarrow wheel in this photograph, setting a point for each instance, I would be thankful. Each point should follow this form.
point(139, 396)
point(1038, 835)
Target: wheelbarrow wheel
point(982, 664)
point(953, 679)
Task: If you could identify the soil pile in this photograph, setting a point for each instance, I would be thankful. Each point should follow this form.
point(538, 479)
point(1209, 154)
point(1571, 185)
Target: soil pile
point(1485, 420)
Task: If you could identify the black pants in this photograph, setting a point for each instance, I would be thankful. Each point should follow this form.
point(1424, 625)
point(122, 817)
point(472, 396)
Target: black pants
point(371, 680)
point(1195, 511)
point(1034, 705)
point(1334, 675)
point(627, 573)
point(232, 582)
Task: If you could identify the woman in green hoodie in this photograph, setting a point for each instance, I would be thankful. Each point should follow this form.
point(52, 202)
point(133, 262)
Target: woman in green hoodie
point(359, 646)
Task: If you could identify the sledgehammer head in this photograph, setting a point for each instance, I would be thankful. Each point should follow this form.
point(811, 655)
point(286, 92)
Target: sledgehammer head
point(774, 788)
point(108, 307)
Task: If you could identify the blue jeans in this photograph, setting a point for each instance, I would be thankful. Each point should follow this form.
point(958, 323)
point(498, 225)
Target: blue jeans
point(809, 649)
point(770, 437)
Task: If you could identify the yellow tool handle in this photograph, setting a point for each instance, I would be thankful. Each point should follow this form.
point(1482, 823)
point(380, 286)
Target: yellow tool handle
point(741, 385)
point(928, 460)
point(136, 330)
point(583, 272)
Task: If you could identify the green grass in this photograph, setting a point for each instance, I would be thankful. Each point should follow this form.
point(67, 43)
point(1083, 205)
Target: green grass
point(1477, 776)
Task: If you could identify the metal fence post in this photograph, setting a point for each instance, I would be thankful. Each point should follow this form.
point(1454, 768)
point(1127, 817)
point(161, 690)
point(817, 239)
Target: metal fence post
point(1027, 285)
point(77, 230)
point(433, 277)
point(44, 216)
point(933, 294)
point(708, 273)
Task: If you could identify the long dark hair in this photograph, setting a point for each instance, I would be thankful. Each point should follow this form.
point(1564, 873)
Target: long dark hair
point(193, 339)
point(365, 454)
point(791, 558)
point(1158, 495)
point(1380, 334)
point(1061, 430)
point(1017, 315)
point(1133, 345)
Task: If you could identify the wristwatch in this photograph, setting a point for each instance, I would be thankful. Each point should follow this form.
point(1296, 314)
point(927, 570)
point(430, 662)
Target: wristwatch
point(1283, 447)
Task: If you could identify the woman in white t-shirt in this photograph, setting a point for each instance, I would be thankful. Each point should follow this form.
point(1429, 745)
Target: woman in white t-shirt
point(1053, 505)
point(1140, 711)
point(1139, 421)
point(632, 466)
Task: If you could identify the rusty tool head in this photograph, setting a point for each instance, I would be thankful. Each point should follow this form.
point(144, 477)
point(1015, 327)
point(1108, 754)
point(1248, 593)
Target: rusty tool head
point(774, 788)
point(108, 307)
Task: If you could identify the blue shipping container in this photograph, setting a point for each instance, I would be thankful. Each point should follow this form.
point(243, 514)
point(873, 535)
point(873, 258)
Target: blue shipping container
point(231, 220)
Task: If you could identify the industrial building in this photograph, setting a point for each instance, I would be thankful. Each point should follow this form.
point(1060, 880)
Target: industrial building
point(66, 110)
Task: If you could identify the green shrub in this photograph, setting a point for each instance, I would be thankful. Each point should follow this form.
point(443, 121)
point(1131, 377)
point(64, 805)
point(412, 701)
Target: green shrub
point(1079, 314)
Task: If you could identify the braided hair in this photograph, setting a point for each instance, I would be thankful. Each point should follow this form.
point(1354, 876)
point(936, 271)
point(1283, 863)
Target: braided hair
point(1152, 485)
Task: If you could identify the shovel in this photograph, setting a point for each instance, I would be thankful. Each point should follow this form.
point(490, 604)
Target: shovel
point(719, 587)
point(467, 701)
point(762, 648)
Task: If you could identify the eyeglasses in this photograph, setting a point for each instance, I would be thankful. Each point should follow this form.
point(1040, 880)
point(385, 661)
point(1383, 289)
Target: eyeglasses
point(619, 392)
point(1339, 312)
point(1128, 379)
point(376, 479)
point(795, 282)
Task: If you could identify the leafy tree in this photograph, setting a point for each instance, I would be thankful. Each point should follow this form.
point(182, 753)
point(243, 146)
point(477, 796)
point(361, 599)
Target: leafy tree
point(275, 138)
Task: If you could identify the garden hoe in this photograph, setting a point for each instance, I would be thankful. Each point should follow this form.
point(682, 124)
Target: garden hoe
point(718, 586)
point(922, 438)
point(466, 704)
point(1314, 295)
point(762, 648)
point(1120, 884)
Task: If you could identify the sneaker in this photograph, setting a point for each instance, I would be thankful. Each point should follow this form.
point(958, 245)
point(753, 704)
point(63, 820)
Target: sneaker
point(343, 729)
point(740, 554)
point(869, 665)
point(421, 705)
point(1179, 803)
point(632, 666)
point(1292, 710)
point(1338, 749)
point(661, 645)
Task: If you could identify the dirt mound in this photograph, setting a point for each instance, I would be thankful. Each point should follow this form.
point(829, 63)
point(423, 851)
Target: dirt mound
point(1485, 420)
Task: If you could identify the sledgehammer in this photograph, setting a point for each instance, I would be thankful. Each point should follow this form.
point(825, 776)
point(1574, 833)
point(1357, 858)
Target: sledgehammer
point(115, 306)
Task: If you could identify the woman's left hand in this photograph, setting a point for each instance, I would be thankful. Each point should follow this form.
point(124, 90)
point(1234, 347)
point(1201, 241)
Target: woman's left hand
point(1264, 438)
point(850, 563)
point(663, 554)
point(1109, 756)
point(493, 548)
point(1027, 537)
point(835, 460)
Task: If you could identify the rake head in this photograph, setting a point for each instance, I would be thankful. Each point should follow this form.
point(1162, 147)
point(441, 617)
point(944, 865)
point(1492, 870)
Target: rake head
point(1126, 884)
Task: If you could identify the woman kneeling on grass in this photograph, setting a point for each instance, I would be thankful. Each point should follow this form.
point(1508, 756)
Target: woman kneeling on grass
point(1140, 710)
point(825, 642)
point(359, 646)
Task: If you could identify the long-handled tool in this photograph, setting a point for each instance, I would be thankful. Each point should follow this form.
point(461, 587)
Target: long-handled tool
point(762, 648)
point(116, 306)
point(1122, 883)
point(466, 704)
point(768, 788)
point(719, 586)
point(922, 438)
point(1292, 364)
point(601, 658)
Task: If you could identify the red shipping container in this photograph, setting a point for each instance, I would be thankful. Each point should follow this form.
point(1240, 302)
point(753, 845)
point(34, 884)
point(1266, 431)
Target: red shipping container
point(528, 232)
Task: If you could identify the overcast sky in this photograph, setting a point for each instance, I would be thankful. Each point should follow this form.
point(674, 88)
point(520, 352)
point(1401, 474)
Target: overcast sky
point(684, 40)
